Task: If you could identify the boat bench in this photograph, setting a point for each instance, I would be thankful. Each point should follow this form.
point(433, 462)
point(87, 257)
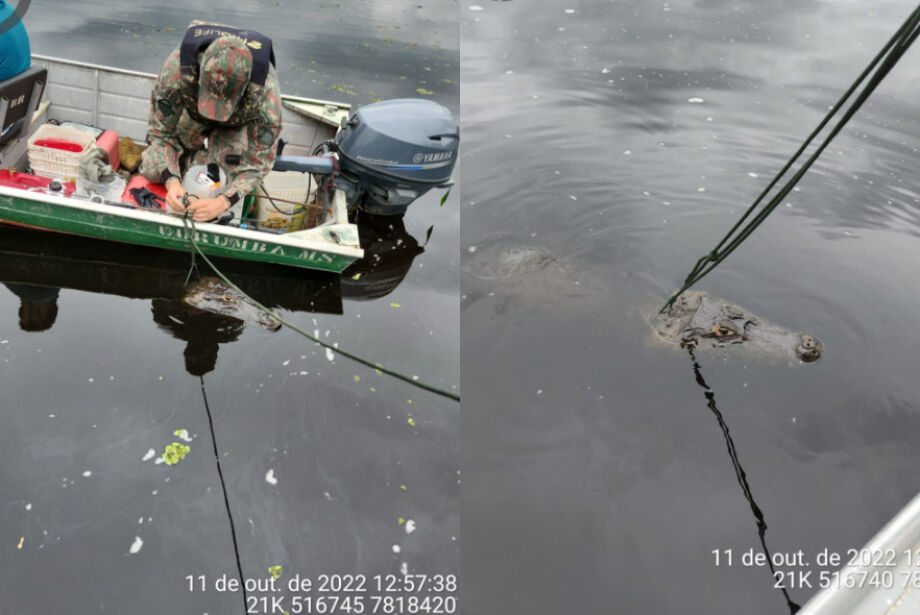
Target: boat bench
point(20, 97)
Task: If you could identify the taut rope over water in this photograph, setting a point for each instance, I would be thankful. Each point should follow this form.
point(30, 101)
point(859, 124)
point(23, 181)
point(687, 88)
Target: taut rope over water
point(882, 64)
point(193, 246)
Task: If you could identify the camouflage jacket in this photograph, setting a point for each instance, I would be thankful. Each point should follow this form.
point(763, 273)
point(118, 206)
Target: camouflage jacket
point(244, 146)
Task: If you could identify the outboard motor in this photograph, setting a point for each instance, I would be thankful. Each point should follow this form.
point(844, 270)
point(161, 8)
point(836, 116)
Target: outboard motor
point(395, 151)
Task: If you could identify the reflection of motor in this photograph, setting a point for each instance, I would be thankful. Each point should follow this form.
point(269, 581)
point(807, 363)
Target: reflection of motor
point(389, 251)
point(395, 151)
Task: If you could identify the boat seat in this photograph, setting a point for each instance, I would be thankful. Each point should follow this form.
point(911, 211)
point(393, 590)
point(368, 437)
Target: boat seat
point(20, 97)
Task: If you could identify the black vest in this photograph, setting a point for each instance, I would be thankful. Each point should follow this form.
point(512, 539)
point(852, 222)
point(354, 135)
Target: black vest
point(197, 38)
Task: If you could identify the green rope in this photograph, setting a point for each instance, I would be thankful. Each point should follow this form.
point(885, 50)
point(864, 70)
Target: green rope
point(190, 231)
point(882, 64)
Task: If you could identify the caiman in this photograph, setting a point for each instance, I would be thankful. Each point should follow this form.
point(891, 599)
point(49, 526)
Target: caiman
point(213, 295)
point(698, 319)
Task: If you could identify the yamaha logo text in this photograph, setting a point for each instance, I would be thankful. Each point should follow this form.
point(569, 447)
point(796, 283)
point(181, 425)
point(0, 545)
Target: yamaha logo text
point(435, 157)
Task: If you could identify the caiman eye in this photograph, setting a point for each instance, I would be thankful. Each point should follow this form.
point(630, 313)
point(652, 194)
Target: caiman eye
point(810, 355)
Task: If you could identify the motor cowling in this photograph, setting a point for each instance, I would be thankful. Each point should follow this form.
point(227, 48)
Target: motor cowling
point(392, 152)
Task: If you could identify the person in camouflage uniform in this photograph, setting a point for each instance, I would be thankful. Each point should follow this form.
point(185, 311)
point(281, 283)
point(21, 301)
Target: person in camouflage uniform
point(217, 100)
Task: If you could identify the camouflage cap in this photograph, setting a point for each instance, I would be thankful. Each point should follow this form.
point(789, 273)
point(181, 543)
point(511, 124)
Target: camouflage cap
point(225, 68)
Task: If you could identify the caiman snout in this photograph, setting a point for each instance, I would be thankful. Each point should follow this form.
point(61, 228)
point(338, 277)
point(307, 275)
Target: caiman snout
point(809, 349)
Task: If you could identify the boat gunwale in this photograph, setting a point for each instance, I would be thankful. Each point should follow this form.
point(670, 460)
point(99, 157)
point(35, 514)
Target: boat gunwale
point(152, 76)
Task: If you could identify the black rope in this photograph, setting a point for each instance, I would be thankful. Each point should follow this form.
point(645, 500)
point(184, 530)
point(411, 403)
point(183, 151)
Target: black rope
point(223, 486)
point(740, 474)
point(882, 64)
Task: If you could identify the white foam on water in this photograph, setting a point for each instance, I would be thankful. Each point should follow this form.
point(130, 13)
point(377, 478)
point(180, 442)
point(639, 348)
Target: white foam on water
point(410, 526)
point(136, 545)
point(270, 477)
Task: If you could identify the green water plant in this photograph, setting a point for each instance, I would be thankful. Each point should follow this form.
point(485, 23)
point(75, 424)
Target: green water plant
point(174, 453)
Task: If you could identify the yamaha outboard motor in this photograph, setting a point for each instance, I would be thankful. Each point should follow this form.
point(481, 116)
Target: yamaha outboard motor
point(395, 151)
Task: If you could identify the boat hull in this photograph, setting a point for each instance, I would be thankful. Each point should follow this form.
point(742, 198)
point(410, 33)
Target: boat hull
point(127, 225)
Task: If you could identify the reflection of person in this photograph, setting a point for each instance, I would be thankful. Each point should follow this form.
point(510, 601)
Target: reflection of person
point(217, 100)
point(16, 56)
point(202, 331)
point(38, 309)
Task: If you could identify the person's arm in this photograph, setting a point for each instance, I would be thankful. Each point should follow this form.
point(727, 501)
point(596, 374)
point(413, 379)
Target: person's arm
point(161, 158)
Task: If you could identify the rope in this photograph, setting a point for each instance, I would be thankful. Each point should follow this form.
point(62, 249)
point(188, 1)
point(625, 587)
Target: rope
point(223, 486)
point(882, 64)
point(193, 245)
point(740, 474)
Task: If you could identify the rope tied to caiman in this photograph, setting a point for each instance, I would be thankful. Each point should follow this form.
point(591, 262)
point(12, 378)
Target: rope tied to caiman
point(875, 72)
point(195, 250)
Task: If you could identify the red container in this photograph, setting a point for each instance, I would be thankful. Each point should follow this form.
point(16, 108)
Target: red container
point(25, 181)
point(108, 141)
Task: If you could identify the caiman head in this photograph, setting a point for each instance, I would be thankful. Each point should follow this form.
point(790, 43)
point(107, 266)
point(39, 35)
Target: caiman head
point(697, 319)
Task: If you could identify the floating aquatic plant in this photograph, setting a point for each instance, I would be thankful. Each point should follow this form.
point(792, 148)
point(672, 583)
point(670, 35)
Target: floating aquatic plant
point(275, 571)
point(174, 453)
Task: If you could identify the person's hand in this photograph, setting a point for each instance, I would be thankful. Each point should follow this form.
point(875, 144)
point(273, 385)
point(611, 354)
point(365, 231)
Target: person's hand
point(174, 194)
point(203, 210)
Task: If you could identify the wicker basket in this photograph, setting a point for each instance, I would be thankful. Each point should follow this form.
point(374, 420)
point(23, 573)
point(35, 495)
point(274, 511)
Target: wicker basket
point(55, 163)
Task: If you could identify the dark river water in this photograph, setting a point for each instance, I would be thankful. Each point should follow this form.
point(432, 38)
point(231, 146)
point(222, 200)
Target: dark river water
point(329, 467)
point(627, 137)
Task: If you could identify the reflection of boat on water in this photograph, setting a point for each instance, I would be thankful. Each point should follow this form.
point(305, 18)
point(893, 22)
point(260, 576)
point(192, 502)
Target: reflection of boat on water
point(35, 266)
point(33, 258)
point(61, 261)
